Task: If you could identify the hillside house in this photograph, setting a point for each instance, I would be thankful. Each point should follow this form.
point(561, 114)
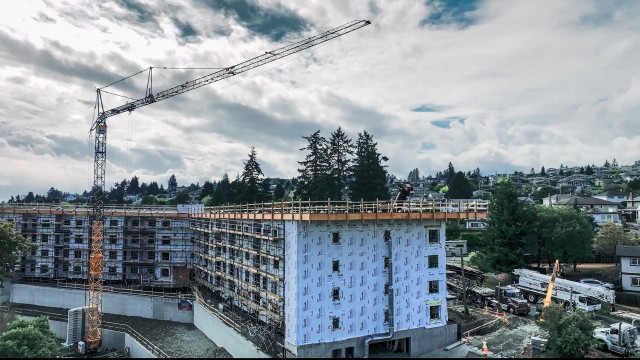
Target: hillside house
point(613, 196)
point(629, 267)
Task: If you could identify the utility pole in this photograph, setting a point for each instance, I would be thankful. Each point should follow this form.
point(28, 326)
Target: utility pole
point(464, 284)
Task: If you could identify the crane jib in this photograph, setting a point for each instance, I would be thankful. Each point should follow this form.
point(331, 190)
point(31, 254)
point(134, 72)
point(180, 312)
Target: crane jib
point(247, 65)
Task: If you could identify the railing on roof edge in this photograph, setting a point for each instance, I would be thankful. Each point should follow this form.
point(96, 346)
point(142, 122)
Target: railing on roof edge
point(294, 206)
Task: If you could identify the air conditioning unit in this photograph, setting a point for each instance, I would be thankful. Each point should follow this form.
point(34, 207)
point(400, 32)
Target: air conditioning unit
point(75, 325)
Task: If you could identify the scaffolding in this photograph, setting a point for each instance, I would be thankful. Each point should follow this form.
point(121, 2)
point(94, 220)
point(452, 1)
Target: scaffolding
point(142, 246)
point(239, 267)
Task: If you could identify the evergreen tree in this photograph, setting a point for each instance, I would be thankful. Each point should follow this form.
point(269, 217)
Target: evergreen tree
point(588, 170)
point(265, 194)
point(222, 194)
point(542, 172)
point(278, 192)
point(369, 174)
point(449, 173)
point(414, 176)
point(252, 178)
point(314, 173)
point(606, 163)
point(153, 188)
point(29, 198)
point(208, 189)
point(510, 231)
point(134, 186)
point(340, 153)
point(460, 187)
point(172, 184)
point(54, 195)
point(235, 191)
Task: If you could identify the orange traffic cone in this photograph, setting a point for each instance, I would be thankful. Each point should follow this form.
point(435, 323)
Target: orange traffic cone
point(468, 338)
point(504, 317)
point(497, 315)
point(485, 349)
point(486, 310)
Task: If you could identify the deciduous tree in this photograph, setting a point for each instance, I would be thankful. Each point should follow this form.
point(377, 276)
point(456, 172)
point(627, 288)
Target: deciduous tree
point(609, 236)
point(570, 333)
point(12, 244)
point(29, 339)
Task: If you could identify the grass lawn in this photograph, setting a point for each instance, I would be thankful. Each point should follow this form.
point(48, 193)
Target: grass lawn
point(603, 272)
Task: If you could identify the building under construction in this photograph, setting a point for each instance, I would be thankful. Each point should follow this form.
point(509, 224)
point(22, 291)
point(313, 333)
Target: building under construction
point(300, 279)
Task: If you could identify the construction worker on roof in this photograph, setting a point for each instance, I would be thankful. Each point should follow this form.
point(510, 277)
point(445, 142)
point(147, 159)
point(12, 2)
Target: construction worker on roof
point(403, 193)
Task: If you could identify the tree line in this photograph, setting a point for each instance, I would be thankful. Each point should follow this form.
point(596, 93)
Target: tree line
point(334, 168)
point(519, 234)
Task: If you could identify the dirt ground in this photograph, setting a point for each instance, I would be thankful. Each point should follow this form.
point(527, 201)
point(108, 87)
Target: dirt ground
point(505, 337)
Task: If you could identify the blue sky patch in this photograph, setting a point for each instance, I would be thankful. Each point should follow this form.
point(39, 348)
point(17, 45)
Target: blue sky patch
point(141, 12)
point(450, 13)
point(274, 23)
point(446, 123)
point(427, 108)
point(425, 146)
point(186, 30)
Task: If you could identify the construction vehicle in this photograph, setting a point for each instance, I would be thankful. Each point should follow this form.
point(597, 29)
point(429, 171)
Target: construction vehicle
point(570, 294)
point(99, 126)
point(507, 298)
point(620, 338)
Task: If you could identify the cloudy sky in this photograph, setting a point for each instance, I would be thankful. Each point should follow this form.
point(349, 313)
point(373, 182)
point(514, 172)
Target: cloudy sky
point(499, 85)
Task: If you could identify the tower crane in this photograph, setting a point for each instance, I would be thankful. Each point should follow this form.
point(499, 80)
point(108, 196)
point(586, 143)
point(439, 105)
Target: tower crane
point(99, 126)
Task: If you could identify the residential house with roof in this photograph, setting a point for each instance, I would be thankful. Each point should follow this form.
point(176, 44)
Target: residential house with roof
point(631, 208)
point(629, 267)
point(601, 210)
point(479, 193)
point(613, 196)
point(574, 182)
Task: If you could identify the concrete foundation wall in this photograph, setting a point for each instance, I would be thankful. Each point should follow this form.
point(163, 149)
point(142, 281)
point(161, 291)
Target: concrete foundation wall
point(223, 336)
point(120, 304)
point(423, 340)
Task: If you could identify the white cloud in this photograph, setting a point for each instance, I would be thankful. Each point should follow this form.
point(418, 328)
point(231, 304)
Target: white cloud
point(537, 83)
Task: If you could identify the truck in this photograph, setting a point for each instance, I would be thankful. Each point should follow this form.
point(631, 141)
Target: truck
point(507, 298)
point(620, 338)
point(534, 285)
